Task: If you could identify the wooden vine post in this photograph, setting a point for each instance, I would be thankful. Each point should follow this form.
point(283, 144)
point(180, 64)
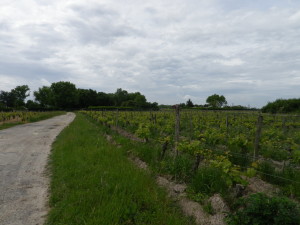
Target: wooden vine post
point(164, 149)
point(117, 117)
point(257, 136)
point(177, 126)
point(199, 158)
point(284, 127)
point(227, 125)
point(191, 126)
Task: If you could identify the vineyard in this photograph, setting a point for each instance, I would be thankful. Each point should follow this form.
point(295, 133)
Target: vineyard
point(233, 146)
point(8, 119)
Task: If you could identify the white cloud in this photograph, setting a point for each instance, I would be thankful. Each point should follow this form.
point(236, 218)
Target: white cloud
point(168, 50)
point(231, 62)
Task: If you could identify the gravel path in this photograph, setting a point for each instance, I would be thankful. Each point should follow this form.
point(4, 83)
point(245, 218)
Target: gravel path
point(24, 185)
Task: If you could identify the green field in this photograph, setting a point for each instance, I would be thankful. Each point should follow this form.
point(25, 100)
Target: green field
point(216, 152)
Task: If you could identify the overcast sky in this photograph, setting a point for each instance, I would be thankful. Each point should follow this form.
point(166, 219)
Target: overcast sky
point(169, 50)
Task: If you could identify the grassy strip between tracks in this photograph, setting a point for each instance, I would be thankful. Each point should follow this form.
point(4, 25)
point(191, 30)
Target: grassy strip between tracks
point(93, 182)
point(39, 117)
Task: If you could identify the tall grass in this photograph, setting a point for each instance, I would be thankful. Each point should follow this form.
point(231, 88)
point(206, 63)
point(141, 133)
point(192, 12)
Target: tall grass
point(93, 182)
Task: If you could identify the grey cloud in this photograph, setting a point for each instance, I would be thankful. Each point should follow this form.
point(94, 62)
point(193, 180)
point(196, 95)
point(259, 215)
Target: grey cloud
point(30, 70)
point(101, 32)
point(95, 10)
point(168, 50)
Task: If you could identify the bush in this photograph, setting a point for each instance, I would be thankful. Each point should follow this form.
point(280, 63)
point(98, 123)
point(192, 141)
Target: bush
point(260, 209)
point(209, 180)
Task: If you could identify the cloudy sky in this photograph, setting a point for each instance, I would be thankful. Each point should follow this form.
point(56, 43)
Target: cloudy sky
point(169, 50)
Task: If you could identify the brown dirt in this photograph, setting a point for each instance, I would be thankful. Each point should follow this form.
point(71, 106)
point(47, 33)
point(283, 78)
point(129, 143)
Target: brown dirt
point(111, 140)
point(257, 185)
point(192, 208)
point(127, 134)
point(139, 163)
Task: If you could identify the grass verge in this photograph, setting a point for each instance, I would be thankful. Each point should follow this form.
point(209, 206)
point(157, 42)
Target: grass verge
point(93, 182)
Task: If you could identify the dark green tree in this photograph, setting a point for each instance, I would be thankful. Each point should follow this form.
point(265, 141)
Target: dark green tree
point(65, 94)
point(44, 96)
point(104, 99)
point(120, 96)
point(140, 100)
point(6, 99)
point(135, 100)
point(31, 105)
point(87, 97)
point(182, 105)
point(20, 93)
point(16, 97)
point(216, 101)
point(189, 103)
point(283, 106)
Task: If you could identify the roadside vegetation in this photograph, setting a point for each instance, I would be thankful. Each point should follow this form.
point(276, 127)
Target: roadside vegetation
point(10, 119)
point(93, 182)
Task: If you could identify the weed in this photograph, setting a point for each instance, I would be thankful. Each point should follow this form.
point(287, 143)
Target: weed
point(209, 180)
point(260, 209)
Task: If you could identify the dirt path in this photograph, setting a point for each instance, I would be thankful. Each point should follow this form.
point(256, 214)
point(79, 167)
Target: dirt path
point(24, 152)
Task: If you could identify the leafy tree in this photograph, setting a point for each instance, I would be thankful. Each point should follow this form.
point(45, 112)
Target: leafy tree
point(104, 99)
point(16, 97)
point(31, 105)
point(140, 100)
point(154, 106)
point(65, 94)
point(120, 96)
point(189, 103)
point(216, 101)
point(283, 106)
point(129, 103)
point(182, 105)
point(6, 99)
point(87, 97)
point(44, 96)
point(123, 98)
point(20, 93)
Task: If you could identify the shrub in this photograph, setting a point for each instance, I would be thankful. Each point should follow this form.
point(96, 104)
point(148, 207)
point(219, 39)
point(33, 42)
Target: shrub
point(260, 209)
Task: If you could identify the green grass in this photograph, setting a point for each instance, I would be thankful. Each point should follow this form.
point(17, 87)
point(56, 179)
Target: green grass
point(42, 116)
point(93, 182)
point(8, 125)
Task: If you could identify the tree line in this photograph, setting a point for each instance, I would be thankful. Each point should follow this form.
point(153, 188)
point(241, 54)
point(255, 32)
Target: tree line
point(65, 95)
point(214, 102)
point(283, 106)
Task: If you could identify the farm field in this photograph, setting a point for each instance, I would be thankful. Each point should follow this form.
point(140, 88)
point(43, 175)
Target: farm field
point(9, 119)
point(218, 152)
